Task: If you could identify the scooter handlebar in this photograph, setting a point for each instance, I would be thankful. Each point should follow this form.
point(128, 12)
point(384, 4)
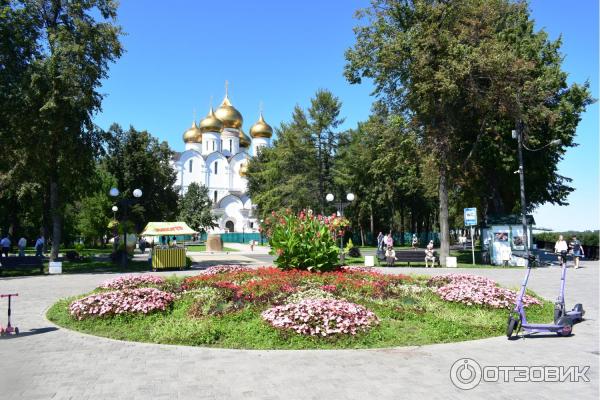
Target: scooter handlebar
point(8, 295)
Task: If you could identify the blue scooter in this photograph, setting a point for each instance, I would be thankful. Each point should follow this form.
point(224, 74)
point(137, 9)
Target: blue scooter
point(563, 320)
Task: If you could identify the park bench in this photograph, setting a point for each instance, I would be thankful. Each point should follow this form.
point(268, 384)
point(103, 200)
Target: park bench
point(21, 263)
point(414, 256)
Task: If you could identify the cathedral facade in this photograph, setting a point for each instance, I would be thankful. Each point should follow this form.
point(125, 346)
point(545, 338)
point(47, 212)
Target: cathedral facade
point(216, 154)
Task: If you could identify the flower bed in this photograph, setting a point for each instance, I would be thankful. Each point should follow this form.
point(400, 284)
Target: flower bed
point(224, 269)
point(268, 308)
point(266, 284)
point(470, 290)
point(143, 300)
point(321, 317)
point(132, 281)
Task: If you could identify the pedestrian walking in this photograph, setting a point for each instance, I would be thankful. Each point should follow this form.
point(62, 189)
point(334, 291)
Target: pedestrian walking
point(415, 241)
point(22, 243)
point(561, 248)
point(576, 249)
point(5, 244)
point(39, 246)
point(389, 240)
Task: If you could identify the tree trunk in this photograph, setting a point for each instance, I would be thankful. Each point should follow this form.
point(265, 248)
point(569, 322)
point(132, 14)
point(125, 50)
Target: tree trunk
point(56, 219)
point(402, 224)
point(362, 235)
point(372, 222)
point(443, 216)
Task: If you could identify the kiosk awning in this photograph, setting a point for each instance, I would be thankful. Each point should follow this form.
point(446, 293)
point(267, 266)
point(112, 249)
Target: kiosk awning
point(167, 228)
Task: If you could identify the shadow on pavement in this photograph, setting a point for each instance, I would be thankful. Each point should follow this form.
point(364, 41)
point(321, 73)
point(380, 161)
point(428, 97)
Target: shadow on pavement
point(31, 332)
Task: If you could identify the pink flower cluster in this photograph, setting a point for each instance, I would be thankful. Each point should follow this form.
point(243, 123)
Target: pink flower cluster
point(132, 281)
point(471, 290)
point(353, 268)
point(142, 300)
point(224, 269)
point(321, 317)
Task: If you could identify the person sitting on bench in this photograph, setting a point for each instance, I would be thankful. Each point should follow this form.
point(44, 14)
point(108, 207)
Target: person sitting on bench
point(429, 255)
point(390, 256)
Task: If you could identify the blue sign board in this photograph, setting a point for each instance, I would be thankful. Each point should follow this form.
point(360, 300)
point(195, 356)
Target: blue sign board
point(470, 216)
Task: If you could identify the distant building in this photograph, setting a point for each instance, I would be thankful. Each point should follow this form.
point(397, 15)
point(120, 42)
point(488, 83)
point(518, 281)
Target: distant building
point(216, 155)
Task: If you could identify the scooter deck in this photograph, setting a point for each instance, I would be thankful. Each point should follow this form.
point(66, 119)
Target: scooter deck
point(542, 327)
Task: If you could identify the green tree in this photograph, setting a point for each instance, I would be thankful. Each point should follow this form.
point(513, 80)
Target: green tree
point(464, 72)
point(67, 50)
point(195, 208)
point(324, 119)
point(137, 160)
point(285, 175)
point(94, 212)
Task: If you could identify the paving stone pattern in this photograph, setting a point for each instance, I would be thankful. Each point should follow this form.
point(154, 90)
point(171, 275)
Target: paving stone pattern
point(50, 363)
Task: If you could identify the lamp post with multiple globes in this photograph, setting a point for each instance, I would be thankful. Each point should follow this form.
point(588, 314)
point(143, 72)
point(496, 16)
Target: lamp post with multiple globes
point(340, 205)
point(125, 204)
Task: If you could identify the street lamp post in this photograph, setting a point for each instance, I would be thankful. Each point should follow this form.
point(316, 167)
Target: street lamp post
point(340, 205)
point(518, 134)
point(125, 203)
point(261, 231)
point(115, 230)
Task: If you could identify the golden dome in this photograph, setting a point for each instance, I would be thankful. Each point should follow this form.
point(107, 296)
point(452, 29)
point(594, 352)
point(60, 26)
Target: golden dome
point(227, 113)
point(192, 135)
point(244, 169)
point(244, 139)
point(261, 129)
point(211, 123)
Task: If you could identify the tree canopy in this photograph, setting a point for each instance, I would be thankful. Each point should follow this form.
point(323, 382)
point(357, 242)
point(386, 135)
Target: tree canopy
point(464, 73)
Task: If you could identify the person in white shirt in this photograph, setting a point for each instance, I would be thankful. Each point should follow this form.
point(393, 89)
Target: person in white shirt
point(22, 243)
point(561, 248)
point(429, 255)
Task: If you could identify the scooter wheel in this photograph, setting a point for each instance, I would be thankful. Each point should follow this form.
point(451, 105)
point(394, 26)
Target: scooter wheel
point(16, 331)
point(512, 326)
point(567, 326)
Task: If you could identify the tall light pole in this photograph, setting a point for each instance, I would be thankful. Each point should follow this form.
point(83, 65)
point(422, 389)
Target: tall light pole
point(125, 203)
point(518, 134)
point(340, 205)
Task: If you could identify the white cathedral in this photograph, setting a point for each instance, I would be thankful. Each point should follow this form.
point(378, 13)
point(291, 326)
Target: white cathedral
point(216, 155)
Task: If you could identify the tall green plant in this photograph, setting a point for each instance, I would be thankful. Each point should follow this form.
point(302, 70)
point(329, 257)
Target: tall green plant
point(304, 241)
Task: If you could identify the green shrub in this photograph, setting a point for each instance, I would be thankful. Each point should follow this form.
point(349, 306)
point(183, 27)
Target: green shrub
point(304, 241)
point(587, 238)
point(209, 301)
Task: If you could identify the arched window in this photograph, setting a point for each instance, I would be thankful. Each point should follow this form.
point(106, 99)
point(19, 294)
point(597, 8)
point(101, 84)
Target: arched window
point(213, 145)
point(191, 162)
point(216, 165)
point(215, 197)
point(230, 145)
point(229, 226)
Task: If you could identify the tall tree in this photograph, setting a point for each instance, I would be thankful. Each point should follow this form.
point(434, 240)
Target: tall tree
point(324, 120)
point(68, 48)
point(460, 70)
point(195, 208)
point(286, 175)
point(137, 160)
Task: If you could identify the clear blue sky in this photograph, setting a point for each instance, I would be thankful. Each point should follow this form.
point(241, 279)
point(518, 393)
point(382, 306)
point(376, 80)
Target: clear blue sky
point(179, 54)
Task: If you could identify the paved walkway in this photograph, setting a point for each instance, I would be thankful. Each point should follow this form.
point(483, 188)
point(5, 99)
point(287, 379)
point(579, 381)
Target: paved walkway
point(50, 363)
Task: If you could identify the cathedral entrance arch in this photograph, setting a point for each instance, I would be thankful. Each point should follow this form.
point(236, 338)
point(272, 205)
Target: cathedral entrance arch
point(229, 226)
